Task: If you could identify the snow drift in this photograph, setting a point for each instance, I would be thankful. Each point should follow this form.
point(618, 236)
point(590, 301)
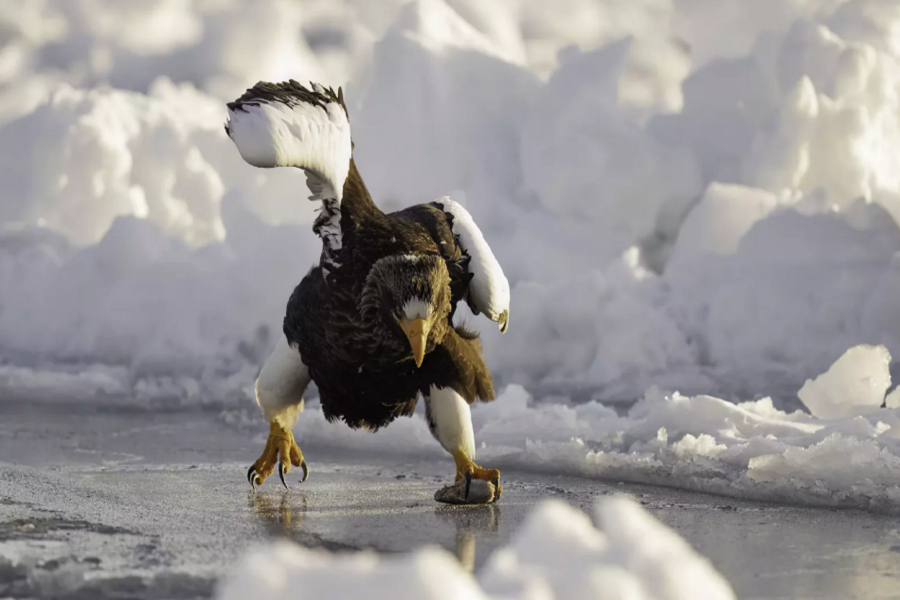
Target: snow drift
point(557, 553)
point(747, 449)
point(704, 201)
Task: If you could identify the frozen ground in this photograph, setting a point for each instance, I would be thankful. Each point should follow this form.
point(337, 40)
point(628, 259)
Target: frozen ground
point(114, 503)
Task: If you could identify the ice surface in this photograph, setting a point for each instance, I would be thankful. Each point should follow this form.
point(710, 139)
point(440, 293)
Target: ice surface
point(699, 199)
point(558, 553)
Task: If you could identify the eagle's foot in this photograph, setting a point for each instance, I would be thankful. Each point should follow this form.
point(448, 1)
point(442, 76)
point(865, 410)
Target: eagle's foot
point(468, 470)
point(281, 445)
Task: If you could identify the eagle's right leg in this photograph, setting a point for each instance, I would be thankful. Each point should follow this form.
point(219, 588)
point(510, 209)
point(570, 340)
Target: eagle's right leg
point(450, 421)
point(279, 393)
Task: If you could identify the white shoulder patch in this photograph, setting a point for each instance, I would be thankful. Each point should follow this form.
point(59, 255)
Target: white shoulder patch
point(489, 288)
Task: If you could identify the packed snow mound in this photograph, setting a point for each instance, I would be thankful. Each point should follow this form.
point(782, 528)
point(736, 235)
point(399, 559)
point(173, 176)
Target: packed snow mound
point(735, 239)
point(214, 45)
point(557, 554)
point(453, 126)
point(721, 222)
point(284, 570)
point(578, 142)
point(801, 287)
point(854, 385)
point(629, 555)
point(84, 157)
point(723, 216)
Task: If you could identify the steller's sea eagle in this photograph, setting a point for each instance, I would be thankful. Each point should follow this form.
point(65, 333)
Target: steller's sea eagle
point(372, 323)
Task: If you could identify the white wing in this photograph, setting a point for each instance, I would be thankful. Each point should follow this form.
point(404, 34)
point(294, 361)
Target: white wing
point(489, 288)
point(288, 125)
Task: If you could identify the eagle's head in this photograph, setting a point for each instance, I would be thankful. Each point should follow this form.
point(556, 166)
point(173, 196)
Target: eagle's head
point(410, 295)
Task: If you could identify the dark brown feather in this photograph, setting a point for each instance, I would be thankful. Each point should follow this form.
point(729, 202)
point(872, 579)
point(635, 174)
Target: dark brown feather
point(362, 365)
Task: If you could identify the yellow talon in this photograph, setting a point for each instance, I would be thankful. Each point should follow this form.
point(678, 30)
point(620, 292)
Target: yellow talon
point(464, 466)
point(281, 444)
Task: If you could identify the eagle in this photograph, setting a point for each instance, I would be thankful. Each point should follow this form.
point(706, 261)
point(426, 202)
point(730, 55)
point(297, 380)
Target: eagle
point(372, 323)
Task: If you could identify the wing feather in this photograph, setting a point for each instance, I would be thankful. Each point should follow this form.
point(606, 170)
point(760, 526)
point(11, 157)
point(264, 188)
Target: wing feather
point(287, 125)
point(489, 288)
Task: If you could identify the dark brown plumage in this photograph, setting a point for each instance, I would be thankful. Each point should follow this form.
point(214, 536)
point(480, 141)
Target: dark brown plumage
point(387, 285)
point(372, 323)
point(360, 359)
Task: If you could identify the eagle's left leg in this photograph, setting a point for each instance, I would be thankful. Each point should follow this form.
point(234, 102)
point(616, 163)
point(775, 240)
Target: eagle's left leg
point(279, 393)
point(450, 421)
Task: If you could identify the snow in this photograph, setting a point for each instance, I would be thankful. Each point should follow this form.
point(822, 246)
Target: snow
point(854, 385)
point(86, 156)
point(557, 553)
point(696, 208)
point(747, 449)
point(723, 216)
point(289, 571)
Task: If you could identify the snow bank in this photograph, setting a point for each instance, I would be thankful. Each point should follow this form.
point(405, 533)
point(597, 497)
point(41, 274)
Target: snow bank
point(746, 449)
point(703, 200)
point(641, 236)
point(849, 457)
point(557, 553)
point(216, 45)
point(85, 156)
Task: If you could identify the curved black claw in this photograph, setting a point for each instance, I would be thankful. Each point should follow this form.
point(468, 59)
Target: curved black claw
point(468, 483)
point(252, 477)
point(281, 469)
point(305, 470)
point(496, 482)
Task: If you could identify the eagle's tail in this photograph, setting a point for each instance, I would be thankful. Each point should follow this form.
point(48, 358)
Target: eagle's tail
point(287, 125)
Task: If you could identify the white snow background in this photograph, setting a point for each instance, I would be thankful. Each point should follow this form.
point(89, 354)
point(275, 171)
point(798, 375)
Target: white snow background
point(688, 197)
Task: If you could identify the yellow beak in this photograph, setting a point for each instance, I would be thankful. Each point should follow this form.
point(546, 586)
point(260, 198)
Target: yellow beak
point(417, 333)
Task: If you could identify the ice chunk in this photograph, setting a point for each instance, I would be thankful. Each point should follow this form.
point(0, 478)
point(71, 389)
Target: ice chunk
point(854, 385)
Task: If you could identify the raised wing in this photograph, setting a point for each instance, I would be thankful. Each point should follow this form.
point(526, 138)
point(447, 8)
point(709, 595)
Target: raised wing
point(488, 288)
point(288, 125)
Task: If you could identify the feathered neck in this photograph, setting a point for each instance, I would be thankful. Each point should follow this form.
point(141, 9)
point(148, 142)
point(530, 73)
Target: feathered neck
point(357, 202)
point(338, 221)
